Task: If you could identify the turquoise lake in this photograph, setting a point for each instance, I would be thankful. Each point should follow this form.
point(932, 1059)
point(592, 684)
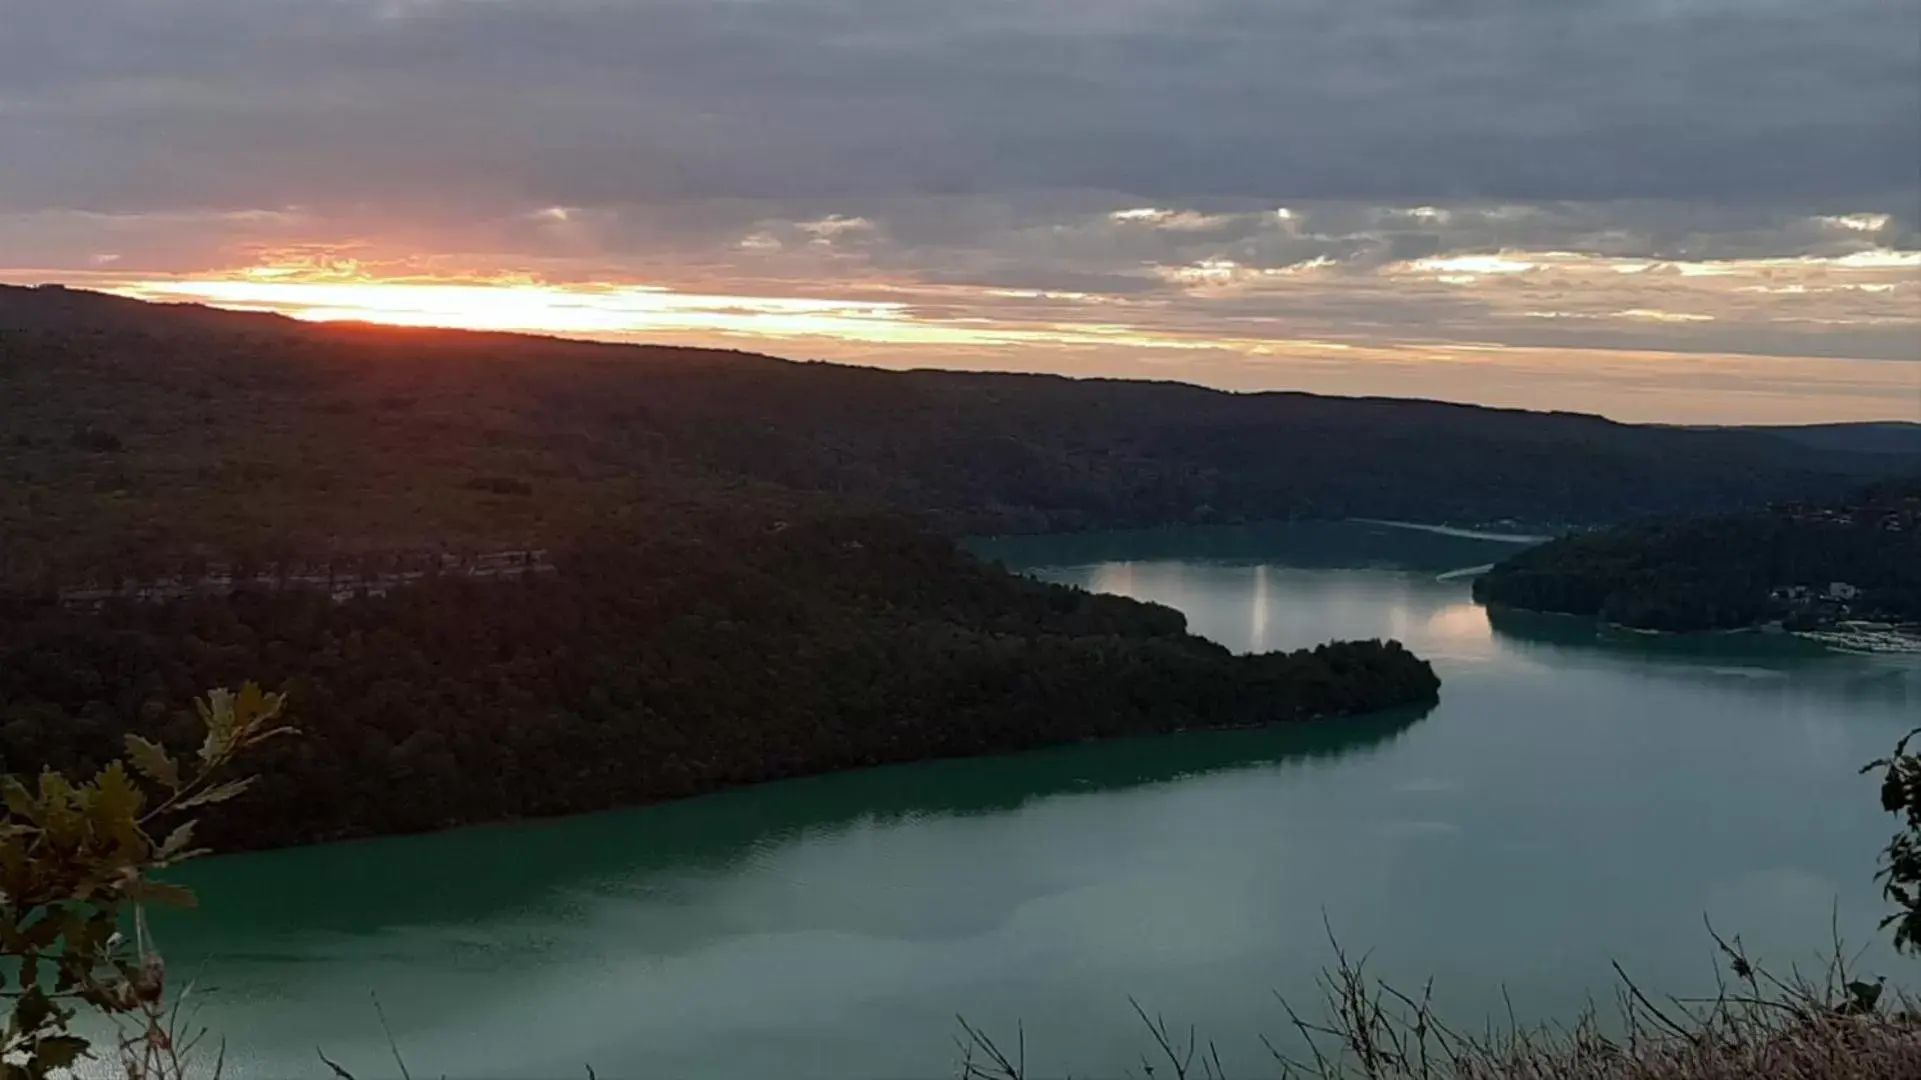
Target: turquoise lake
point(1576, 798)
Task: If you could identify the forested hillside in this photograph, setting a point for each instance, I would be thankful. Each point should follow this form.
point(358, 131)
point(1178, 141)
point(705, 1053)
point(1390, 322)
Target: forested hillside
point(1805, 563)
point(656, 663)
point(136, 435)
point(741, 572)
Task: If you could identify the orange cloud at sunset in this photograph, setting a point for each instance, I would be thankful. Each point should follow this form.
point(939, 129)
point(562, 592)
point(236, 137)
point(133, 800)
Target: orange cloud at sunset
point(1202, 337)
point(619, 312)
point(1527, 210)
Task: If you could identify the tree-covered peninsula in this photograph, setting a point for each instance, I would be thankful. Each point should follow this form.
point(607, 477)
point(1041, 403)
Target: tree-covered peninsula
point(1806, 565)
point(714, 649)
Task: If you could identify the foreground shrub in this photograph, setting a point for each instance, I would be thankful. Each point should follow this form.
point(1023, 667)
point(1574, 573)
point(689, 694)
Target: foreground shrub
point(77, 860)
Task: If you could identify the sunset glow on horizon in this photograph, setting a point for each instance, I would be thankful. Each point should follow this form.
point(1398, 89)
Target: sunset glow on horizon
point(907, 324)
point(623, 312)
point(522, 305)
point(1504, 217)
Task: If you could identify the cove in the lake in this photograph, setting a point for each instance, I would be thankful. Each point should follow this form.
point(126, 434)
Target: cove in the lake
point(1573, 800)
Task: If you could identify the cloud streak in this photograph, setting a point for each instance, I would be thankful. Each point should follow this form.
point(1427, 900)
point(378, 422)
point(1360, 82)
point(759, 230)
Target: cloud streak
point(1718, 178)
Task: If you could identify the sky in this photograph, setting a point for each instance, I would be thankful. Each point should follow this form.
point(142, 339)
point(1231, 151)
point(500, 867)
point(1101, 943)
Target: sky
point(1673, 210)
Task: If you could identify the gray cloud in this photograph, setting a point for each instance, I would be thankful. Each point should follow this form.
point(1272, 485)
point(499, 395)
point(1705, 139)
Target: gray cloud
point(727, 145)
point(490, 104)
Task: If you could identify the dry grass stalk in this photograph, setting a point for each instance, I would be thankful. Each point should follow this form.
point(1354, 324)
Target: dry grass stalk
point(1757, 1027)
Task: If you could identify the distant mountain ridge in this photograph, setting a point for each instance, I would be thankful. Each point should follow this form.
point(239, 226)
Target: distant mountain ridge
point(139, 434)
point(1868, 437)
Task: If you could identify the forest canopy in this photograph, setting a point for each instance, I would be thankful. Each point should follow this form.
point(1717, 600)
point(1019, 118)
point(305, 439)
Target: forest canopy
point(649, 667)
point(134, 437)
point(1801, 563)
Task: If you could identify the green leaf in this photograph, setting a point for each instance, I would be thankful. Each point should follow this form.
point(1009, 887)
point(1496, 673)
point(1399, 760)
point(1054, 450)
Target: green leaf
point(14, 863)
point(174, 847)
point(58, 815)
point(217, 712)
point(20, 802)
point(44, 931)
point(114, 803)
point(164, 892)
point(220, 793)
point(100, 929)
point(59, 1051)
point(249, 705)
point(30, 1012)
point(153, 762)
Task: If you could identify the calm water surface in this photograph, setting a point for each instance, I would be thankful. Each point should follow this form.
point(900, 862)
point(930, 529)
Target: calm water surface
point(1572, 800)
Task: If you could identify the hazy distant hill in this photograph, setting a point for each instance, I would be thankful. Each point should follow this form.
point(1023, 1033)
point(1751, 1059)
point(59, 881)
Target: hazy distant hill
point(1888, 437)
point(136, 432)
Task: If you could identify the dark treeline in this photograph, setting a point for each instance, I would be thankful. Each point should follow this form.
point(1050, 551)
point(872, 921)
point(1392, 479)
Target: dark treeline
point(133, 437)
point(654, 664)
point(1736, 570)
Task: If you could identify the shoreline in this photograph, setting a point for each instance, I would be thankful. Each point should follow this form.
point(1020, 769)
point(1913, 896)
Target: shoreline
point(1411, 710)
point(1859, 638)
point(1456, 531)
point(1875, 639)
